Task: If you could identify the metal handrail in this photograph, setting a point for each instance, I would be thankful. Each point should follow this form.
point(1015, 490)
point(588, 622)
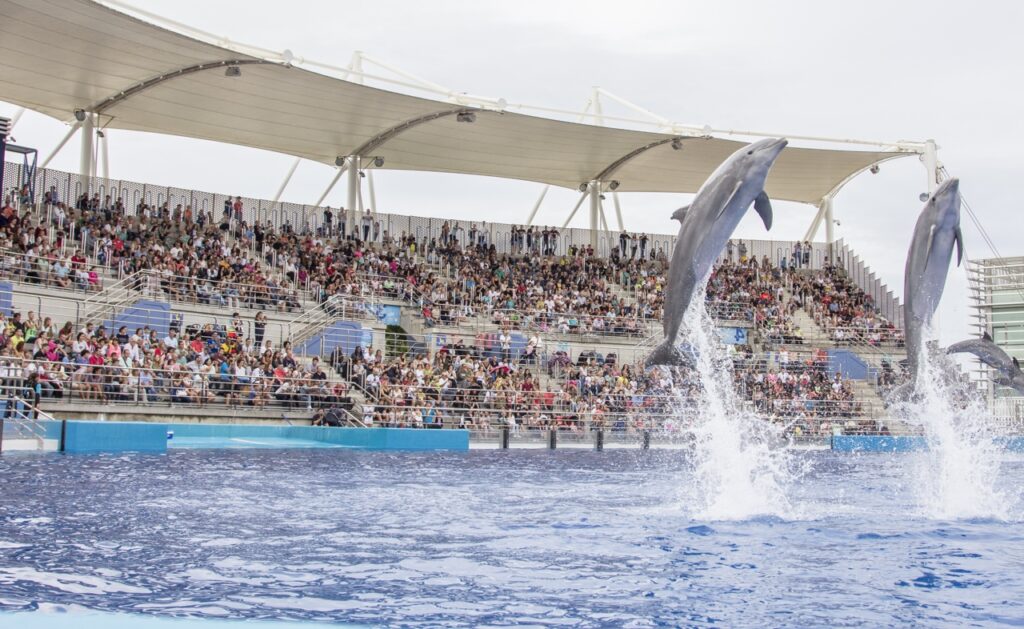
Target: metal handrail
point(26, 418)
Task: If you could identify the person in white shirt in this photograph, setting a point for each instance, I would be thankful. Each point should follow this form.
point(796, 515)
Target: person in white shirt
point(505, 341)
point(171, 340)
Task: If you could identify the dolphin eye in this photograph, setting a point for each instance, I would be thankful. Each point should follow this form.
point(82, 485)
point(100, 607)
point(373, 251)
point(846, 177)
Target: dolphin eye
point(750, 152)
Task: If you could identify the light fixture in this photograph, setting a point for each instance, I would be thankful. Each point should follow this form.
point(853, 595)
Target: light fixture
point(677, 144)
point(874, 169)
point(233, 71)
point(339, 161)
point(923, 196)
point(80, 115)
point(583, 187)
point(362, 174)
point(613, 185)
point(378, 161)
point(465, 116)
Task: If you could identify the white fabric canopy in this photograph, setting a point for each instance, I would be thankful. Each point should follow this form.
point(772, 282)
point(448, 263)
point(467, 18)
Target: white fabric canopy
point(63, 55)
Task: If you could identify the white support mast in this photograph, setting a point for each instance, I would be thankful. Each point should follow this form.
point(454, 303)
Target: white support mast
point(287, 178)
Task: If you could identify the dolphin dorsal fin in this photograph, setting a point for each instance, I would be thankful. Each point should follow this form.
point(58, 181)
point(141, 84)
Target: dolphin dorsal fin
point(680, 214)
point(959, 245)
point(763, 206)
point(1016, 363)
point(985, 336)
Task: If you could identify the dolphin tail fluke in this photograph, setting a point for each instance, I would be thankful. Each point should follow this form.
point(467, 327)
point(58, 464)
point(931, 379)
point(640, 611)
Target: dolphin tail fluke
point(667, 354)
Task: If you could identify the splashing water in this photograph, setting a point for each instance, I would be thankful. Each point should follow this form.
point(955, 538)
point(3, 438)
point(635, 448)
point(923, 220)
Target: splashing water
point(742, 468)
point(957, 478)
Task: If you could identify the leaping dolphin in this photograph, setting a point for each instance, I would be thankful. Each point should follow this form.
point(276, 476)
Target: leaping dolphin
point(931, 248)
point(1007, 368)
point(705, 226)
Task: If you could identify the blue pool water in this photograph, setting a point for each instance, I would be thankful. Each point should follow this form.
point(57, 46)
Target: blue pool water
point(485, 538)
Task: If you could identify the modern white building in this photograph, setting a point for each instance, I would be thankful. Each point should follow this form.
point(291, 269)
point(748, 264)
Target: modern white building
point(997, 298)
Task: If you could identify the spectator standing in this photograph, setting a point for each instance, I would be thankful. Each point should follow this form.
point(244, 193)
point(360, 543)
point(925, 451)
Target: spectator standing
point(328, 222)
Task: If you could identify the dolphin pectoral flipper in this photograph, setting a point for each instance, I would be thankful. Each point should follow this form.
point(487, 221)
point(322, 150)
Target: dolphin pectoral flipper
point(763, 206)
point(680, 214)
point(959, 245)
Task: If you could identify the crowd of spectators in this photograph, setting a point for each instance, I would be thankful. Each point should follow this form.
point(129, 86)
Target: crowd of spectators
point(844, 311)
point(797, 388)
point(541, 286)
point(208, 364)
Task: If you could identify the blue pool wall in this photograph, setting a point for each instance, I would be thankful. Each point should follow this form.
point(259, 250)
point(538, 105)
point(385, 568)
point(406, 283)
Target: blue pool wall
point(369, 438)
point(94, 436)
point(115, 437)
point(872, 443)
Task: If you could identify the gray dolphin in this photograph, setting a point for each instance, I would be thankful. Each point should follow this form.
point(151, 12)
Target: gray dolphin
point(705, 226)
point(1007, 368)
point(931, 248)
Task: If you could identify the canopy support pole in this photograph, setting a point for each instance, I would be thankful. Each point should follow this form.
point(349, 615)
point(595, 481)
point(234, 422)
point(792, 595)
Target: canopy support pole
point(85, 162)
point(351, 220)
point(104, 157)
point(330, 186)
point(604, 219)
point(576, 209)
point(536, 206)
point(287, 178)
point(373, 193)
point(812, 230)
point(595, 210)
point(830, 223)
point(618, 210)
point(930, 157)
point(75, 127)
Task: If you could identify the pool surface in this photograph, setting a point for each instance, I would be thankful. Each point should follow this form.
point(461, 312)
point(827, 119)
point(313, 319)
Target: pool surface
point(485, 538)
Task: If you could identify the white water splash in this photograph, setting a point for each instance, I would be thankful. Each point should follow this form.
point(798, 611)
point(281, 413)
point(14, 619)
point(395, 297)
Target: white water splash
point(958, 477)
point(742, 468)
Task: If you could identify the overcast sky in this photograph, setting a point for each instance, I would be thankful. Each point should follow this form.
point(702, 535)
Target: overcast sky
point(874, 70)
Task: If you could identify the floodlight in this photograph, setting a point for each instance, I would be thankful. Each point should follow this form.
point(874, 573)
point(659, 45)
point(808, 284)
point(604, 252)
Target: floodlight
point(874, 169)
point(677, 144)
point(233, 71)
point(465, 116)
point(378, 161)
point(80, 115)
point(613, 185)
point(339, 161)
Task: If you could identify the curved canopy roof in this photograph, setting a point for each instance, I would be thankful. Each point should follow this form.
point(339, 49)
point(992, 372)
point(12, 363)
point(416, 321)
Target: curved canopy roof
point(63, 55)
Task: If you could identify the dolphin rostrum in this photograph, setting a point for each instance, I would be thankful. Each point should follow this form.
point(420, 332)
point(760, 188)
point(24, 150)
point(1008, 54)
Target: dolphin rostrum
point(931, 248)
point(705, 226)
point(1008, 372)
